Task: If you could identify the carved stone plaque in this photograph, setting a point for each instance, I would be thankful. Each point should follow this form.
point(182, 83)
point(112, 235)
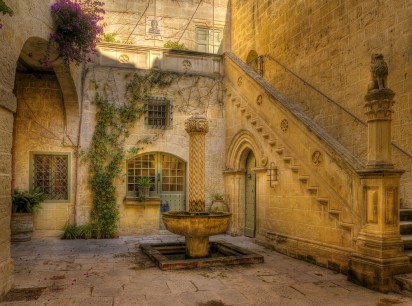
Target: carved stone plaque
point(391, 198)
point(371, 198)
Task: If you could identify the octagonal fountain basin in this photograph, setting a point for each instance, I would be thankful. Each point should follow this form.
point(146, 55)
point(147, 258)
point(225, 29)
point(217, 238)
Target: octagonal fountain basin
point(196, 227)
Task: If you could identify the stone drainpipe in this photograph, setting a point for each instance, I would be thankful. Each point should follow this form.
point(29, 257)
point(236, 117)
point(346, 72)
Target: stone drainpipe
point(379, 247)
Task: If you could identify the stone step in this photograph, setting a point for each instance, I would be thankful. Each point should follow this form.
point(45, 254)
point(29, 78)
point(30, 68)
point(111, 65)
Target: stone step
point(323, 201)
point(253, 121)
point(407, 241)
point(406, 227)
point(303, 178)
point(266, 135)
point(280, 151)
point(403, 282)
point(287, 159)
point(406, 214)
point(295, 168)
point(313, 189)
point(272, 142)
point(248, 115)
point(243, 109)
point(259, 128)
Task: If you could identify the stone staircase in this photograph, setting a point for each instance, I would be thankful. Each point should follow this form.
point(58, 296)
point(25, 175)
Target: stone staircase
point(330, 200)
point(406, 230)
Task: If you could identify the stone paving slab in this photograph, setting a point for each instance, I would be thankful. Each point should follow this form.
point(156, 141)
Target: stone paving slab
point(115, 272)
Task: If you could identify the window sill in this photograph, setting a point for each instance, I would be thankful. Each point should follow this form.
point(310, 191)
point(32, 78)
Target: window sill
point(133, 201)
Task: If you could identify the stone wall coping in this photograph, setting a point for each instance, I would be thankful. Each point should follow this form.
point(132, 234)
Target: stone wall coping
point(350, 160)
point(136, 48)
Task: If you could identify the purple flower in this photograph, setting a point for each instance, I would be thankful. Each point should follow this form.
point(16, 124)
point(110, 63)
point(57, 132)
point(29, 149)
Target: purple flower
point(77, 28)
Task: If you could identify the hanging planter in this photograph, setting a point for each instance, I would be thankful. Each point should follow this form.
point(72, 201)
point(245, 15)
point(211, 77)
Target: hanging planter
point(77, 29)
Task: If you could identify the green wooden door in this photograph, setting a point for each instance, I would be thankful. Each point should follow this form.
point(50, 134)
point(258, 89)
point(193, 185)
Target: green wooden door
point(250, 196)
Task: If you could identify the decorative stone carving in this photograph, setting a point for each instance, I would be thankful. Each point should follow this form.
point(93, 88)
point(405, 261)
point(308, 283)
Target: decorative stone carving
point(187, 65)
point(197, 124)
point(316, 158)
point(379, 72)
point(240, 81)
point(259, 99)
point(264, 161)
point(124, 58)
point(284, 125)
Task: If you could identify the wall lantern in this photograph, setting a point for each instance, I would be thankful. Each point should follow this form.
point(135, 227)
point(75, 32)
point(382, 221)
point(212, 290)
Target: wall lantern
point(272, 175)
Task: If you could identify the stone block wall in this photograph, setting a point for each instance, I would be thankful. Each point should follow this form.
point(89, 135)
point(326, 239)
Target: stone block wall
point(6, 263)
point(329, 44)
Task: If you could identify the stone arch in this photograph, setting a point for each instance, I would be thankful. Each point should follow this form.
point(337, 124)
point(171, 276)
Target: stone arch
point(31, 57)
point(252, 60)
point(243, 143)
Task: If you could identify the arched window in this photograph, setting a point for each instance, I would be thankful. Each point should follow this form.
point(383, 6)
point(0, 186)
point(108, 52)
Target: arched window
point(167, 173)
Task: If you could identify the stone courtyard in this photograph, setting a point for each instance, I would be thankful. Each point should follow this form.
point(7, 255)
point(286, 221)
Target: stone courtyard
point(51, 271)
point(291, 118)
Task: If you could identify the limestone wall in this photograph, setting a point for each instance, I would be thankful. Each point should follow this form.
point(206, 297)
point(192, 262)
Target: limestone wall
point(177, 20)
point(329, 44)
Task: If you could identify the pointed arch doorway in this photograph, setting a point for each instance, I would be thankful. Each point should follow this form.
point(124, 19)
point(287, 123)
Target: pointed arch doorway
point(250, 196)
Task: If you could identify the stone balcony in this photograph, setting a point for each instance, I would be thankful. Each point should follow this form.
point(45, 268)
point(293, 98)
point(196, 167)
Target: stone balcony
point(139, 57)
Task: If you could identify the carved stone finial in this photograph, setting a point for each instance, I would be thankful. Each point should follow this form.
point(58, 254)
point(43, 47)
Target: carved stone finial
point(197, 124)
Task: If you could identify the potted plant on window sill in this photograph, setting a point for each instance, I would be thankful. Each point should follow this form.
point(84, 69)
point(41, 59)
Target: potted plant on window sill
point(218, 203)
point(143, 186)
point(24, 205)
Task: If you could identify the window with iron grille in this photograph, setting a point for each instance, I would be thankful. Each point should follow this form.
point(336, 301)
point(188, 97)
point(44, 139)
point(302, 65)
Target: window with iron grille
point(50, 172)
point(158, 113)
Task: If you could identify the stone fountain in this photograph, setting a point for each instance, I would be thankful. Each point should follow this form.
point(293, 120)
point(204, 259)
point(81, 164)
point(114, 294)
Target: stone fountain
point(196, 224)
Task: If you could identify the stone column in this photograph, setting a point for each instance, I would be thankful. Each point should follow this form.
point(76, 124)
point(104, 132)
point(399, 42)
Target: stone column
point(380, 253)
point(197, 127)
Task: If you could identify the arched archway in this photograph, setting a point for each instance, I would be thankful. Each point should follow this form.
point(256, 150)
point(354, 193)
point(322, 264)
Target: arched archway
point(45, 136)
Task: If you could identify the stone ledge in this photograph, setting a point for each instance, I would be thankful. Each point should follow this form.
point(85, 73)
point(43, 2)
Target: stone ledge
point(131, 201)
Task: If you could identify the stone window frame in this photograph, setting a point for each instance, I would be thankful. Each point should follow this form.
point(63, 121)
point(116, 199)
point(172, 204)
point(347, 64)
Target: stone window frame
point(69, 170)
point(155, 117)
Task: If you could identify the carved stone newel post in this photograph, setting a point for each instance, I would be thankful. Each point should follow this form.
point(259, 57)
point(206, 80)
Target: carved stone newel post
point(380, 254)
point(197, 127)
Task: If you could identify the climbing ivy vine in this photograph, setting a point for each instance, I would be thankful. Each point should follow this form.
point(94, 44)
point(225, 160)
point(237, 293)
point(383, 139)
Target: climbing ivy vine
point(107, 151)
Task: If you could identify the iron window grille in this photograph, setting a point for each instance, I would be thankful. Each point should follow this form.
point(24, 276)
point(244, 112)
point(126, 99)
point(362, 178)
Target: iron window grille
point(158, 113)
point(51, 174)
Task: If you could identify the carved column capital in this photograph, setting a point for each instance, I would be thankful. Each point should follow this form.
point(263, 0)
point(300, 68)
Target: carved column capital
point(197, 124)
point(379, 103)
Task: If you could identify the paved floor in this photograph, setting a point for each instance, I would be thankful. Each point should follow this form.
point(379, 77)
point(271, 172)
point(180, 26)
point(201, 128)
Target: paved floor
point(114, 272)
